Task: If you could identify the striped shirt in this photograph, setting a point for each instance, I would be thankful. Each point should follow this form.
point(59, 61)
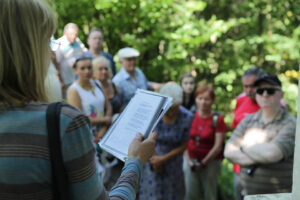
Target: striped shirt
point(25, 169)
point(273, 177)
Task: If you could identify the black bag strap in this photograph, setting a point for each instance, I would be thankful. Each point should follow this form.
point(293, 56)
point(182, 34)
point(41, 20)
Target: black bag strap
point(59, 176)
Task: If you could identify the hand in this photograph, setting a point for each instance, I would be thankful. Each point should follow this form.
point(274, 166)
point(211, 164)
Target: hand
point(158, 169)
point(156, 161)
point(97, 139)
point(142, 150)
point(198, 166)
point(100, 134)
point(190, 162)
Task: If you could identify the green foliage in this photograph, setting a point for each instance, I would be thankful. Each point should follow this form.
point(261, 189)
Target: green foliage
point(226, 180)
point(215, 40)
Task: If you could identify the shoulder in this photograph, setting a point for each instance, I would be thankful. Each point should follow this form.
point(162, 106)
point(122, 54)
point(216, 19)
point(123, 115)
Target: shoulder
point(67, 110)
point(185, 113)
point(288, 119)
point(73, 88)
point(241, 98)
point(70, 111)
point(251, 117)
point(107, 55)
point(76, 118)
point(139, 71)
point(118, 77)
point(73, 85)
point(61, 39)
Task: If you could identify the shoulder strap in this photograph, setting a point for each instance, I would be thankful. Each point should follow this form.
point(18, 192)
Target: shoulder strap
point(59, 176)
point(116, 90)
point(215, 120)
point(98, 86)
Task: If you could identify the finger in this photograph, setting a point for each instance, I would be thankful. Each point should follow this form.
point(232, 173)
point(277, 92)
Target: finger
point(139, 137)
point(153, 135)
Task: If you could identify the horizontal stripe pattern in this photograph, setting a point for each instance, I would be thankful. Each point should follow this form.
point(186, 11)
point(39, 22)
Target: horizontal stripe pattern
point(23, 145)
point(275, 178)
point(25, 169)
point(82, 168)
point(78, 122)
point(43, 195)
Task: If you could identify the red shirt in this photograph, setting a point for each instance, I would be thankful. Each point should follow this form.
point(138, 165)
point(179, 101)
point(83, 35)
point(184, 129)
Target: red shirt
point(202, 127)
point(244, 106)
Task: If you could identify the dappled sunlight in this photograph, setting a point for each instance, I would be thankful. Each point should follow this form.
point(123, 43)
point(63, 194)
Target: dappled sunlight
point(254, 136)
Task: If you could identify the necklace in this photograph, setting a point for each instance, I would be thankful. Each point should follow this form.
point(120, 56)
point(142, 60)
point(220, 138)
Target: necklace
point(88, 87)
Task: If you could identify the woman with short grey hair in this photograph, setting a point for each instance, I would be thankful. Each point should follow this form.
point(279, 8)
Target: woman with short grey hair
point(163, 175)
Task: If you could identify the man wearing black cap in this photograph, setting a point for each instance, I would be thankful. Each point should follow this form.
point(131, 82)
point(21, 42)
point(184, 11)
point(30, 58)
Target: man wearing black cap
point(263, 143)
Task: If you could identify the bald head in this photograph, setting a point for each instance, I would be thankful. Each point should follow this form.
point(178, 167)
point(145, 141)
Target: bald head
point(71, 32)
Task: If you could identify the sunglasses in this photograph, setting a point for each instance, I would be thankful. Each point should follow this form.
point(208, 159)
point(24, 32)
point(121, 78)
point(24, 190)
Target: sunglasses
point(270, 91)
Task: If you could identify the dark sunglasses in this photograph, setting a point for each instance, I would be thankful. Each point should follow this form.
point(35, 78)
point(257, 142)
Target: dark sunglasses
point(270, 91)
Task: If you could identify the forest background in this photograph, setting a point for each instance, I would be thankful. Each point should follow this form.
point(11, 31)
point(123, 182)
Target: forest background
point(215, 40)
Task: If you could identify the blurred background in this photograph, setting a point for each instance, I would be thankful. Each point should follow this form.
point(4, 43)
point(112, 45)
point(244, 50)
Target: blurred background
point(215, 40)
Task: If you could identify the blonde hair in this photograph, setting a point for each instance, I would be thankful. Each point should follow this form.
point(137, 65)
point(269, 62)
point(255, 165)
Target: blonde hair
point(25, 31)
point(106, 62)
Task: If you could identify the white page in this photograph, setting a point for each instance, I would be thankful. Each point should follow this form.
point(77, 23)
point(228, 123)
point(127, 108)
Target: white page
point(136, 118)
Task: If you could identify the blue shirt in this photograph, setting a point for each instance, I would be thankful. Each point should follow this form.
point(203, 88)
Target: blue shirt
point(127, 85)
point(109, 57)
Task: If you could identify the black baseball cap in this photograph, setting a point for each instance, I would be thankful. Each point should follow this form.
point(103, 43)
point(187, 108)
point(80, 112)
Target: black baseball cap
point(269, 78)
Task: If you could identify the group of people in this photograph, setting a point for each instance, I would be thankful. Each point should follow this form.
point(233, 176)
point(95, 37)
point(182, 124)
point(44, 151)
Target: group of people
point(181, 159)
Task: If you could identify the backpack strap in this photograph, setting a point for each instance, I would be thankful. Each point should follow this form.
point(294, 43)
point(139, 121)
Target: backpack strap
point(215, 120)
point(59, 176)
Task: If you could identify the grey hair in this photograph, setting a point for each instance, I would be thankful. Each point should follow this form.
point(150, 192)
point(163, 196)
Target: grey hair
point(256, 71)
point(102, 59)
point(70, 26)
point(173, 90)
point(95, 30)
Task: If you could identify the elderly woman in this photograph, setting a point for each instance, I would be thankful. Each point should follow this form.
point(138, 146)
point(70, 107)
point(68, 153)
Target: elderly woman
point(87, 95)
point(103, 73)
point(202, 163)
point(25, 159)
point(163, 175)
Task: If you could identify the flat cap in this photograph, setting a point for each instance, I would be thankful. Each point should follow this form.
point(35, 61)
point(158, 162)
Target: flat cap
point(128, 52)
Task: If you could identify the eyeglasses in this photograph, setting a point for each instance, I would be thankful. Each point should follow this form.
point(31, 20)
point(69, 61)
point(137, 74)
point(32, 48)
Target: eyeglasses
point(54, 45)
point(270, 91)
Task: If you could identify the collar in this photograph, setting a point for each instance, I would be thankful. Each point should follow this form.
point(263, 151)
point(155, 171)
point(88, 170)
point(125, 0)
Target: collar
point(125, 74)
point(258, 116)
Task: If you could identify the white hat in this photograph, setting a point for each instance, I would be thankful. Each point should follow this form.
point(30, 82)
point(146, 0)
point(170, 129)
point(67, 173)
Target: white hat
point(128, 52)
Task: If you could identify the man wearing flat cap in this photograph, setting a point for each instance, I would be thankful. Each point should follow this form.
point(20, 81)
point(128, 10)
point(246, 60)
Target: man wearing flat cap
point(263, 143)
point(130, 78)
